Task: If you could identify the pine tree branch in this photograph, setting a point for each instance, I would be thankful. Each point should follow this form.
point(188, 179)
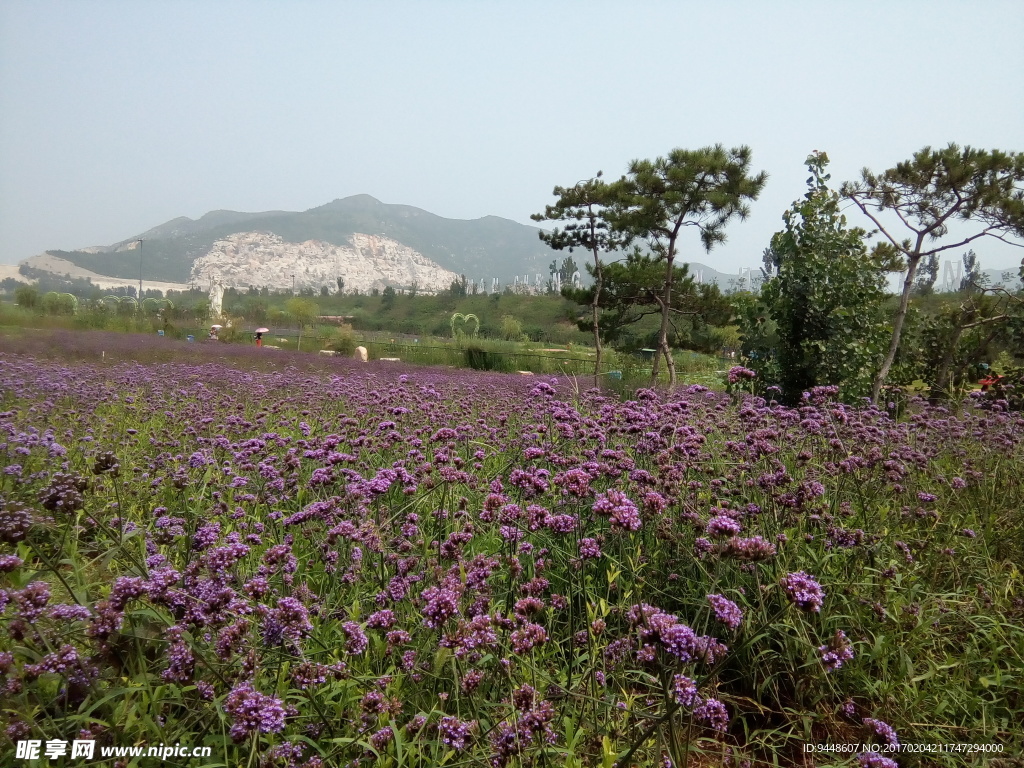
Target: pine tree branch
point(965, 241)
point(1002, 237)
point(877, 223)
point(1000, 290)
point(906, 223)
point(945, 217)
point(985, 321)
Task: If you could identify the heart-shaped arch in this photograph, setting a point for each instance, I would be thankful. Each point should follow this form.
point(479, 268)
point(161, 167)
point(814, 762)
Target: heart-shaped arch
point(458, 316)
point(121, 300)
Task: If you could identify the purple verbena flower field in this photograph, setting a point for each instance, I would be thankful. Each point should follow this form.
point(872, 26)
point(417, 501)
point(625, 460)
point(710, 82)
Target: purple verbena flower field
point(360, 565)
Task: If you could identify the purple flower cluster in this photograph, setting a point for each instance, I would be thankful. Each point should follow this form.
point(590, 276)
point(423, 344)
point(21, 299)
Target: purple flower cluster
point(754, 549)
point(675, 637)
point(441, 605)
point(620, 510)
point(528, 637)
point(589, 549)
point(252, 711)
point(713, 714)
point(883, 730)
point(531, 727)
point(738, 373)
point(289, 621)
point(836, 652)
point(455, 733)
point(726, 611)
point(355, 639)
point(684, 691)
point(15, 522)
point(803, 591)
point(722, 526)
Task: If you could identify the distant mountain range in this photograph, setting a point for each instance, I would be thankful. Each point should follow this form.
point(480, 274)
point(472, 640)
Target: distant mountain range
point(480, 248)
point(359, 238)
point(1002, 278)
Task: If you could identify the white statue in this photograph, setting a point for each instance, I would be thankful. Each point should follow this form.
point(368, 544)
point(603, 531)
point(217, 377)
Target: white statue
point(216, 300)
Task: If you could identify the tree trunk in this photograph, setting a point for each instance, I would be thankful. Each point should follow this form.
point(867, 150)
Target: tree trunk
point(594, 307)
point(897, 324)
point(942, 377)
point(663, 348)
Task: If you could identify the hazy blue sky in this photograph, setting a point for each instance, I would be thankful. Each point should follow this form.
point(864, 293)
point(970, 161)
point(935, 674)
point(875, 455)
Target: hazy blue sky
point(117, 116)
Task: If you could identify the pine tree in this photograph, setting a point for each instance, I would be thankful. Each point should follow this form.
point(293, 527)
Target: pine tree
point(926, 194)
point(582, 208)
point(657, 199)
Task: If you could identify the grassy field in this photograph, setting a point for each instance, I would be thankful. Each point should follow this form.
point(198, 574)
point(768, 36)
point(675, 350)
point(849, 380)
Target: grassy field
point(574, 357)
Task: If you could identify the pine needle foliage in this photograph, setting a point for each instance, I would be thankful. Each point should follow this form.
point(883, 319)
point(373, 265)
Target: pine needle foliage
point(658, 199)
point(927, 193)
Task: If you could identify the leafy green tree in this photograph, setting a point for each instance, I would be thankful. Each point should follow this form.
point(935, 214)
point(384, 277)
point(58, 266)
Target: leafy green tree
point(54, 303)
point(341, 285)
point(927, 193)
point(387, 300)
point(656, 200)
point(563, 272)
point(633, 291)
point(971, 281)
point(826, 295)
point(255, 310)
point(459, 288)
point(26, 296)
point(567, 269)
point(959, 339)
point(759, 339)
point(929, 273)
point(304, 312)
point(581, 207)
point(511, 328)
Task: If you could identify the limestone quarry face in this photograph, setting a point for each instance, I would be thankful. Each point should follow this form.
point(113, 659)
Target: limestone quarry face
point(263, 259)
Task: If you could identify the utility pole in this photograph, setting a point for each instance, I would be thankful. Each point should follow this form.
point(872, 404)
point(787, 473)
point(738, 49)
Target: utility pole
point(139, 241)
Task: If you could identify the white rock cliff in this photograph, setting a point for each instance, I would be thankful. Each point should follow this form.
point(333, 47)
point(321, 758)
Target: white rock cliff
point(263, 259)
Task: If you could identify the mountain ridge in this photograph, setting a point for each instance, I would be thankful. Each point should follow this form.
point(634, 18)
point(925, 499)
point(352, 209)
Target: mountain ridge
point(482, 249)
point(487, 247)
